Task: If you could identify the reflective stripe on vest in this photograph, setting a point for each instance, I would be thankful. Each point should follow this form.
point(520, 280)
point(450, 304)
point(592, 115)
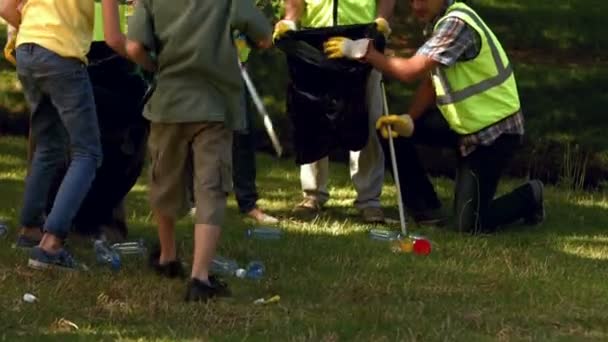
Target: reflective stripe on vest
point(326, 13)
point(485, 101)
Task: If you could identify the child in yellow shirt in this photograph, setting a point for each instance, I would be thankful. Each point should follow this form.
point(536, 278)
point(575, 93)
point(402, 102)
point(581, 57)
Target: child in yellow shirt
point(52, 42)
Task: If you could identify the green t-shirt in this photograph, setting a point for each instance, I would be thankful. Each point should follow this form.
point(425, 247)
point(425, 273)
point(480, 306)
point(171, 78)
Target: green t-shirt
point(199, 77)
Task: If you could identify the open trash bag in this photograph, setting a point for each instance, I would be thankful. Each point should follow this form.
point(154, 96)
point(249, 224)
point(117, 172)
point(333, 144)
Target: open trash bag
point(326, 98)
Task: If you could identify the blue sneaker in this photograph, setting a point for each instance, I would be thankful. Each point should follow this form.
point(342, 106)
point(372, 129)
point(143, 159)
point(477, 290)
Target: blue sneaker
point(41, 260)
point(24, 242)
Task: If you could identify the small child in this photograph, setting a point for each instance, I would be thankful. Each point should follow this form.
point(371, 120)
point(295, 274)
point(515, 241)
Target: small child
point(193, 112)
point(52, 42)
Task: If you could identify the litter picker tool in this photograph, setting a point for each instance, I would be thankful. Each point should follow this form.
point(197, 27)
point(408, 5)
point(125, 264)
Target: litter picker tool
point(262, 111)
point(391, 145)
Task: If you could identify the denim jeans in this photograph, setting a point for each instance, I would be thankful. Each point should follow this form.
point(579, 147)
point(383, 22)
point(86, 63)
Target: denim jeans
point(63, 120)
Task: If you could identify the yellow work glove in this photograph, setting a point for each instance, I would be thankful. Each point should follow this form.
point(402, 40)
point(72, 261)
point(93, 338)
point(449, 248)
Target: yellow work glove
point(242, 48)
point(383, 27)
point(401, 125)
point(282, 27)
point(342, 47)
point(9, 49)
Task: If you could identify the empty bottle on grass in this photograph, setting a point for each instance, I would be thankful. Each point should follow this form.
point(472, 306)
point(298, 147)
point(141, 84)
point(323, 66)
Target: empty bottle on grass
point(228, 267)
point(3, 229)
point(255, 270)
point(412, 244)
point(264, 233)
point(384, 235)
point(224, 266)
point(134, 247)
point(402, 244)
point(106, 255)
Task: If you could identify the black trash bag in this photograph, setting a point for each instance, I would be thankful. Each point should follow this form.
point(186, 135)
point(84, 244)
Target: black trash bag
point(118, 92)
point(326, 98)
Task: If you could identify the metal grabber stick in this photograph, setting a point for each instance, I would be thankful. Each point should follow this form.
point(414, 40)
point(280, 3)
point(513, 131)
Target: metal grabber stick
point(391, 145)
point(262, 111)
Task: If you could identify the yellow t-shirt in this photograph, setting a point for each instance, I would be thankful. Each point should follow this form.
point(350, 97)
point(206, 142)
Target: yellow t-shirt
point(62, 26)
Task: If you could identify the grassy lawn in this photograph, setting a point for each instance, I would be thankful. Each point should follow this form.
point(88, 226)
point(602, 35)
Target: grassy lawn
point(547, 283)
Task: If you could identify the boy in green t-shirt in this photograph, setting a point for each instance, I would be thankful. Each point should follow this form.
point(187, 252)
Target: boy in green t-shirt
point(193, 112)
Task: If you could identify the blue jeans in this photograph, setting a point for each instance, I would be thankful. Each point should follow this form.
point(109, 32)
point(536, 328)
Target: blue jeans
point(243, 163)
point(63, 121)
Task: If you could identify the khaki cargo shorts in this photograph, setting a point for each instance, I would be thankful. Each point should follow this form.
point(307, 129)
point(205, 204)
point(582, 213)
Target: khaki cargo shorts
point(190, 153)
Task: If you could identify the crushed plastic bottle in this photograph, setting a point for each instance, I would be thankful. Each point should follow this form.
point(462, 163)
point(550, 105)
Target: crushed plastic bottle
point(224, 266)
point(106, 255)
point(384, 235)
point(412, 244)
point(133, 247)
point(220, 265)
point(3, 228)
point(255, 270)
point(264, 233)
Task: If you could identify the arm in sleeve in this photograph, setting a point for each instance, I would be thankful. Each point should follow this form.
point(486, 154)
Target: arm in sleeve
point(449, 42)
point(249, 20)
point(141, 26)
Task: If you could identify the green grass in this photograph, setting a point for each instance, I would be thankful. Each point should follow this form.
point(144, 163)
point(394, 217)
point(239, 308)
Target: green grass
point(335, 284)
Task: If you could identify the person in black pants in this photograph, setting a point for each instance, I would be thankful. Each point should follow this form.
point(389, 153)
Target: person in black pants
point(244, 170)
point(477, 176)
point(466, 74)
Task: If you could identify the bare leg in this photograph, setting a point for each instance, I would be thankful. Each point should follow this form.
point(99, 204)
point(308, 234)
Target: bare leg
point(50, 243)
point(206, 237)
point(166, 235)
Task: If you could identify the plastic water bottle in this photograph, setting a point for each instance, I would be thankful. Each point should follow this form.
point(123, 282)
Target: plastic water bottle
point(225, 266)
point(106, 255)
point(264, 233)
point(255, 270)
point(412, 244)
point(134, 247)
point(384, 235)
point(3, 229)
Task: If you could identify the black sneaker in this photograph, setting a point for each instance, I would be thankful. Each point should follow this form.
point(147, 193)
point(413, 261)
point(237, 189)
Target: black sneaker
point(199, 291)
point(172, 269)
point(538, 214)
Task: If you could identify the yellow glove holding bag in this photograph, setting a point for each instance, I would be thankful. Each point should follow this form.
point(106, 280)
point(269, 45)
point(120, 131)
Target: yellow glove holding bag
point(383, 27)
point(342, 47)
point(401, 125)
point(282, 27)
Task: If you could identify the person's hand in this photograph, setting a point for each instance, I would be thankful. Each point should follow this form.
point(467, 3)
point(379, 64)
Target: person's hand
point(401, 125)
point(282, 27)
point(342, 47)
point(9, 49)
point(383, 27)
point(242, 47)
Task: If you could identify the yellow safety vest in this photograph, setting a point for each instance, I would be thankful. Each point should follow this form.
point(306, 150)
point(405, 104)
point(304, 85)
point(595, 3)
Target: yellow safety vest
point(124, 12)
point(475, 94)
point(326, 13)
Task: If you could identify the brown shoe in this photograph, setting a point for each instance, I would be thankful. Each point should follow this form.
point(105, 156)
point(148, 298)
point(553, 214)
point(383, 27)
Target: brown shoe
point(307, 207)
point(372, 215)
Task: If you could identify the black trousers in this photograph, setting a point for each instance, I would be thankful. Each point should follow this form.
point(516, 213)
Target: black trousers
point(477, 176)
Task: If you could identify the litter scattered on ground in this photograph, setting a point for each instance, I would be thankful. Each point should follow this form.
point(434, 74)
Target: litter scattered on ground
point(263, 301)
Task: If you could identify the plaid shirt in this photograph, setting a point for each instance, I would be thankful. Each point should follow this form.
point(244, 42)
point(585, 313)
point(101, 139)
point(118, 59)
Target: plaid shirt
point(454, 41)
